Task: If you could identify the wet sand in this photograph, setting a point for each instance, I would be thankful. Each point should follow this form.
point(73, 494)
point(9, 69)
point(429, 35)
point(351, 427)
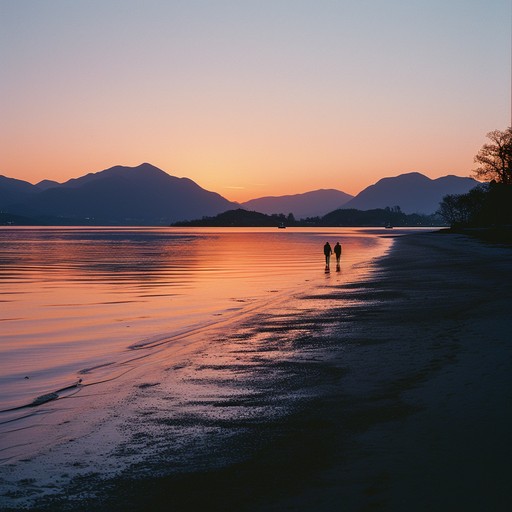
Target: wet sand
point(423, 415)
point(392, 394)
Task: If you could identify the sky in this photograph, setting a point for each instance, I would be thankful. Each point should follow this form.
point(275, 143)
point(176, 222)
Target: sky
point(252, 98)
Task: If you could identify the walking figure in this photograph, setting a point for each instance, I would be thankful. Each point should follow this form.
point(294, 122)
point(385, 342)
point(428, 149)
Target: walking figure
point(327, 252)
point(337, 251)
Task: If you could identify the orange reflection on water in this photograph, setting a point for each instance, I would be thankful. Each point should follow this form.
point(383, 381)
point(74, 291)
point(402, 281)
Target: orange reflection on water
point(76, 298)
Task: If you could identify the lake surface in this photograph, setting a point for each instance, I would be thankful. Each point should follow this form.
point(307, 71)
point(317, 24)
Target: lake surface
point(76, 301)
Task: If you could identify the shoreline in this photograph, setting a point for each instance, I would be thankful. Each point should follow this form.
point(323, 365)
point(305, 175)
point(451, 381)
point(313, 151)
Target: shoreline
point(429, 388)
point(396, 396)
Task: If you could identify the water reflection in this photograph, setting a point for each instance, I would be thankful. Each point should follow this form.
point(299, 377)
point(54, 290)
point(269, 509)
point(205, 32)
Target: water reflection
point(75, 298)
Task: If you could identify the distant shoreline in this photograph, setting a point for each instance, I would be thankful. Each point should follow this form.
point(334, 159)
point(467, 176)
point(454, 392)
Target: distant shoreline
point(497, 235)
point(380, 217)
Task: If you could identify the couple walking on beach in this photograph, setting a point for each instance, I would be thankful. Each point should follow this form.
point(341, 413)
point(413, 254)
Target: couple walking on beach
point(328, 251)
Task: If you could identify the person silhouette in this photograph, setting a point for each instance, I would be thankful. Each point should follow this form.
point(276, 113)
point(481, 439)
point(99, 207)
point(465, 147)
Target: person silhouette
point(327, 253)
point(337, 251)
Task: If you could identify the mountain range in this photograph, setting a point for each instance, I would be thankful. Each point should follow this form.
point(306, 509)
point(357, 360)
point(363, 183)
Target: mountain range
point(146, 195)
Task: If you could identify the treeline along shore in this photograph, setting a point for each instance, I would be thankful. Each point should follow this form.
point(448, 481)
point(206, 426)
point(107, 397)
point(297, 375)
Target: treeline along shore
point(338, 218)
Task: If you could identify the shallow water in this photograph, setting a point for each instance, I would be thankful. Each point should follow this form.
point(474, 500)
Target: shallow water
point(74, 300)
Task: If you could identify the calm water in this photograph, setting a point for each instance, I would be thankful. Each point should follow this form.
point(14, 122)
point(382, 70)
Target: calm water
point(74, 302)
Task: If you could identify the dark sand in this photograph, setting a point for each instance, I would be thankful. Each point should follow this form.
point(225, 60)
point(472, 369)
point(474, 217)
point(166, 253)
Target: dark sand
point(394, 394)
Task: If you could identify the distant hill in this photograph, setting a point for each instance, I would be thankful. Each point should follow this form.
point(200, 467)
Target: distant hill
point(239, 218)
point(310, 204)
point(142, 195)
point(13, 190)
point(412, 192)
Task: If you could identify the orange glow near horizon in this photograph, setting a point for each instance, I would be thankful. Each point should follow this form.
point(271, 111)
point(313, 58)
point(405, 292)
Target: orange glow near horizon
point(291, 146)
point(243, 173)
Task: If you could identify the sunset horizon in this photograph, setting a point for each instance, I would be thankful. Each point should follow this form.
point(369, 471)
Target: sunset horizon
point(231, 192)
point(252, 99)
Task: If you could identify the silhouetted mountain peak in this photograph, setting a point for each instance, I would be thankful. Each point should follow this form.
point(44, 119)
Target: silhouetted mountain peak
point(125, 195)
point(406, 179)
point(142, 171)
point(46, 184)
point(413, 192)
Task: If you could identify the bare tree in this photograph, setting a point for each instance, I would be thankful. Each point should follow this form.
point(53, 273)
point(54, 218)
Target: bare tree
point(495, 158)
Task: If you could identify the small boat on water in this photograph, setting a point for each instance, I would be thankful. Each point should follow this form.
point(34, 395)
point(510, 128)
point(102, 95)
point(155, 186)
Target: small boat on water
point(281, 225)
point(389, 226)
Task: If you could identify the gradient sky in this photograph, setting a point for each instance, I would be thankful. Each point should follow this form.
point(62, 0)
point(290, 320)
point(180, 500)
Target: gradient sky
point(251, 98)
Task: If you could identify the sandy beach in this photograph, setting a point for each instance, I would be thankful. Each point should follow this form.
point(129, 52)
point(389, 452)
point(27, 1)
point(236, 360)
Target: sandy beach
point(390, 394)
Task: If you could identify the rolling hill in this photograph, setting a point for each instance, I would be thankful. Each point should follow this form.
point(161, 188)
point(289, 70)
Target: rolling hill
point(310, 204)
